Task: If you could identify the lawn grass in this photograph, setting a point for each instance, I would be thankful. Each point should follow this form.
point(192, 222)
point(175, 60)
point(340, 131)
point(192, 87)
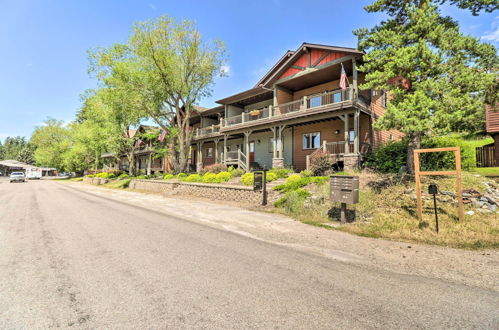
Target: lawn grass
point(487, 171)
point(391, 214)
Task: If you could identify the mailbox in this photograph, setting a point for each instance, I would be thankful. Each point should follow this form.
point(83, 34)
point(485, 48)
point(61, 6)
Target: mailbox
point(258, 181)
point(344, 189)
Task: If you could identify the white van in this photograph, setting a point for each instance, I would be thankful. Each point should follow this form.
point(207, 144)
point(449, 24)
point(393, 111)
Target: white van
point(33, 173)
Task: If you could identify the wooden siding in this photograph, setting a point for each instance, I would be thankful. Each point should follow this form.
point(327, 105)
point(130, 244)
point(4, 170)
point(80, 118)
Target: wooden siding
point(327, 130)
point(380, 137)
point(492, 118)
point(315, 55)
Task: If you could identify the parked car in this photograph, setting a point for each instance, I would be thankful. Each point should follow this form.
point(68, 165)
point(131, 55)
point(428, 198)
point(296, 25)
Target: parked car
point(17, 176)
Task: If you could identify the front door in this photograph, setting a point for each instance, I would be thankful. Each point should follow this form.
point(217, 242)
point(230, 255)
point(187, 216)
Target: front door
point(252, 151)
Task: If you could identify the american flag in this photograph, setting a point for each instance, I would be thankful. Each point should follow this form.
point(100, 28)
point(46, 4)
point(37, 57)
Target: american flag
point(162, 136)
point(343, 78)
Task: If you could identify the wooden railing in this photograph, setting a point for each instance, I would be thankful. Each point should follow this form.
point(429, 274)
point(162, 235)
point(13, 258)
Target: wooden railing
point(207, 130)
point(236, 158)
point(305, 103)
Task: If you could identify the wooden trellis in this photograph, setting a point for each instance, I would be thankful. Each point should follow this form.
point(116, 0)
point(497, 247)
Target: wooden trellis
point(456, 172)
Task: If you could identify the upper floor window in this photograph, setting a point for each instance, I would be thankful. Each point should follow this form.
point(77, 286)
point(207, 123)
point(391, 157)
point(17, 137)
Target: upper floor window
point(315, 101)
point(311, 140)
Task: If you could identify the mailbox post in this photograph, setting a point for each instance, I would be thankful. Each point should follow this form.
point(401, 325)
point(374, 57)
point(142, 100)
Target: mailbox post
point(344, 190)
point(260, 183)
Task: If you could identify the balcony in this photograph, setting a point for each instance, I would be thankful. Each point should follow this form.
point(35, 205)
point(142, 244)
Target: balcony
point(310, 104)
point(207, 131)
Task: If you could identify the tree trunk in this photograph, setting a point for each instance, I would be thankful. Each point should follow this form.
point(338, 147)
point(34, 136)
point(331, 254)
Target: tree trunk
point(414, 143)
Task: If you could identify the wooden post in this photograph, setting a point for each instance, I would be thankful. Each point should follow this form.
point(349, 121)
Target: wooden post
point(304, 103)
point(353, 92)
point(324, 147)
point(347, 127)
point(281, 140)
point(216, 149)
point(459, 185)
point(246, 140)
point(356, 132)
point(270, 111)
point(226, 136)
point(418, 186)
point(273, 129)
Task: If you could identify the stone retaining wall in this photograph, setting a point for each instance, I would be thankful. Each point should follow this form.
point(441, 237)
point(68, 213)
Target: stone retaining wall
point(219, 192)
point(96, 181)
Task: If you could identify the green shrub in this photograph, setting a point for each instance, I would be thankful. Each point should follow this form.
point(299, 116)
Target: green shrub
point(210, 178)
point(224, 176)
point(140, 177)
point(90, 175)
point(306, 173)
point(181, 175)
point(247, 179)
point(294, 178)
point(123, 176)
point(388, 157)
point(215, 168)
point(106, 175)
point(193, 178)
point(295, 184)
point(293, 201)
point(122, 183)
point(281, 172)
point(235, 172)
point(321, 163)
point(168, 176)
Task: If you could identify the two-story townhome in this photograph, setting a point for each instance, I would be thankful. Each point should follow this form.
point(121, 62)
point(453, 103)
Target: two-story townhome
point(144, 153)
point(301, 106)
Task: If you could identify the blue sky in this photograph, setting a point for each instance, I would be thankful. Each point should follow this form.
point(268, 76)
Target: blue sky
point(43, 44)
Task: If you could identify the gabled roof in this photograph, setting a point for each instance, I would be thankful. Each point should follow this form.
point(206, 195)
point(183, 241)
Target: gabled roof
point(287, 61)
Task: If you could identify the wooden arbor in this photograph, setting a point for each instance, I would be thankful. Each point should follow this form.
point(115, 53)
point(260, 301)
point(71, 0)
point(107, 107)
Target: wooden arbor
point(456, 172)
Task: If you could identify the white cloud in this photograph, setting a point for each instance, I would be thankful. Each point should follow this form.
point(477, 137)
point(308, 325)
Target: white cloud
point(152, 6)
point(225, 69)
point(493, 33)
point(29, 65)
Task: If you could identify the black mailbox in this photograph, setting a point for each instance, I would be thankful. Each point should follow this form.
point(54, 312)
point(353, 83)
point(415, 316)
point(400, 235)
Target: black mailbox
point(258, 181)
point(433, 189)
point(344, 189)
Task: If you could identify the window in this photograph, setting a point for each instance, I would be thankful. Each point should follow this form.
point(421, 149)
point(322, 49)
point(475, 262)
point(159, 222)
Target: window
point(315, 101)
point(271, 145)
point(351, 136)
point(209, 152)
point(311, 140)
point(383, 98)
point(337, 97)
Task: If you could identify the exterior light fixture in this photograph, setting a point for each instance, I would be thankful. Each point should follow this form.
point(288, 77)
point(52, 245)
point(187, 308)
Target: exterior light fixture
point(337, 131)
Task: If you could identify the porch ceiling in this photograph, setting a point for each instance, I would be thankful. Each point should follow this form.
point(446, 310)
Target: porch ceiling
point(316, 77)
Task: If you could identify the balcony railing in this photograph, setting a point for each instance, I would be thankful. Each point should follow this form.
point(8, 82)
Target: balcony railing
point(213, 129)
point(314, 101)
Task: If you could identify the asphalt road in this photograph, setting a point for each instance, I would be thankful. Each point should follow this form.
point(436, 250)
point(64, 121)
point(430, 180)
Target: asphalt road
point(72, 259)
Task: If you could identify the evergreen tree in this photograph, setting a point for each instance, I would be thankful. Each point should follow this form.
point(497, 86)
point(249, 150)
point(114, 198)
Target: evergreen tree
point(438, 78)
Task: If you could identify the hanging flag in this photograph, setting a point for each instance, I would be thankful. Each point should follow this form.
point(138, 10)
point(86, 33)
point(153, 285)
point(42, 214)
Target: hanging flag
point(137, 143)
point(162, 136)
point(343, 78)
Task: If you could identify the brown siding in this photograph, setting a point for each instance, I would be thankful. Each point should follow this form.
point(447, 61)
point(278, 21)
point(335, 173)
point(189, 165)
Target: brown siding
point(283, 97)
point(492, 118)
point(496, 143)
point(211, 160)
point(327, 130)
point(384, 136)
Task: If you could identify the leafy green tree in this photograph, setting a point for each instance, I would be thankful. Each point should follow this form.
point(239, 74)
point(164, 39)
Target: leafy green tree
point(17, 148)
point(437, 77)
point(51, 140)
point(109, 116)
point(166, 68)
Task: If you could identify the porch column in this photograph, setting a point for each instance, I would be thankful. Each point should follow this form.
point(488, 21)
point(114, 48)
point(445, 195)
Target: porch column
point(281, 145)
point(216, 149)
point(149, 161)
point(278, 159)
point(356, 128)
point(354, 78)
point(274, 140)
point(347, 146)
point(246, 147)
point(226, 136)
point(199, 165)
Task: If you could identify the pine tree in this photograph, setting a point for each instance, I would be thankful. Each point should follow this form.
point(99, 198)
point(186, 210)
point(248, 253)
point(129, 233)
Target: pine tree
point(437, 77)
